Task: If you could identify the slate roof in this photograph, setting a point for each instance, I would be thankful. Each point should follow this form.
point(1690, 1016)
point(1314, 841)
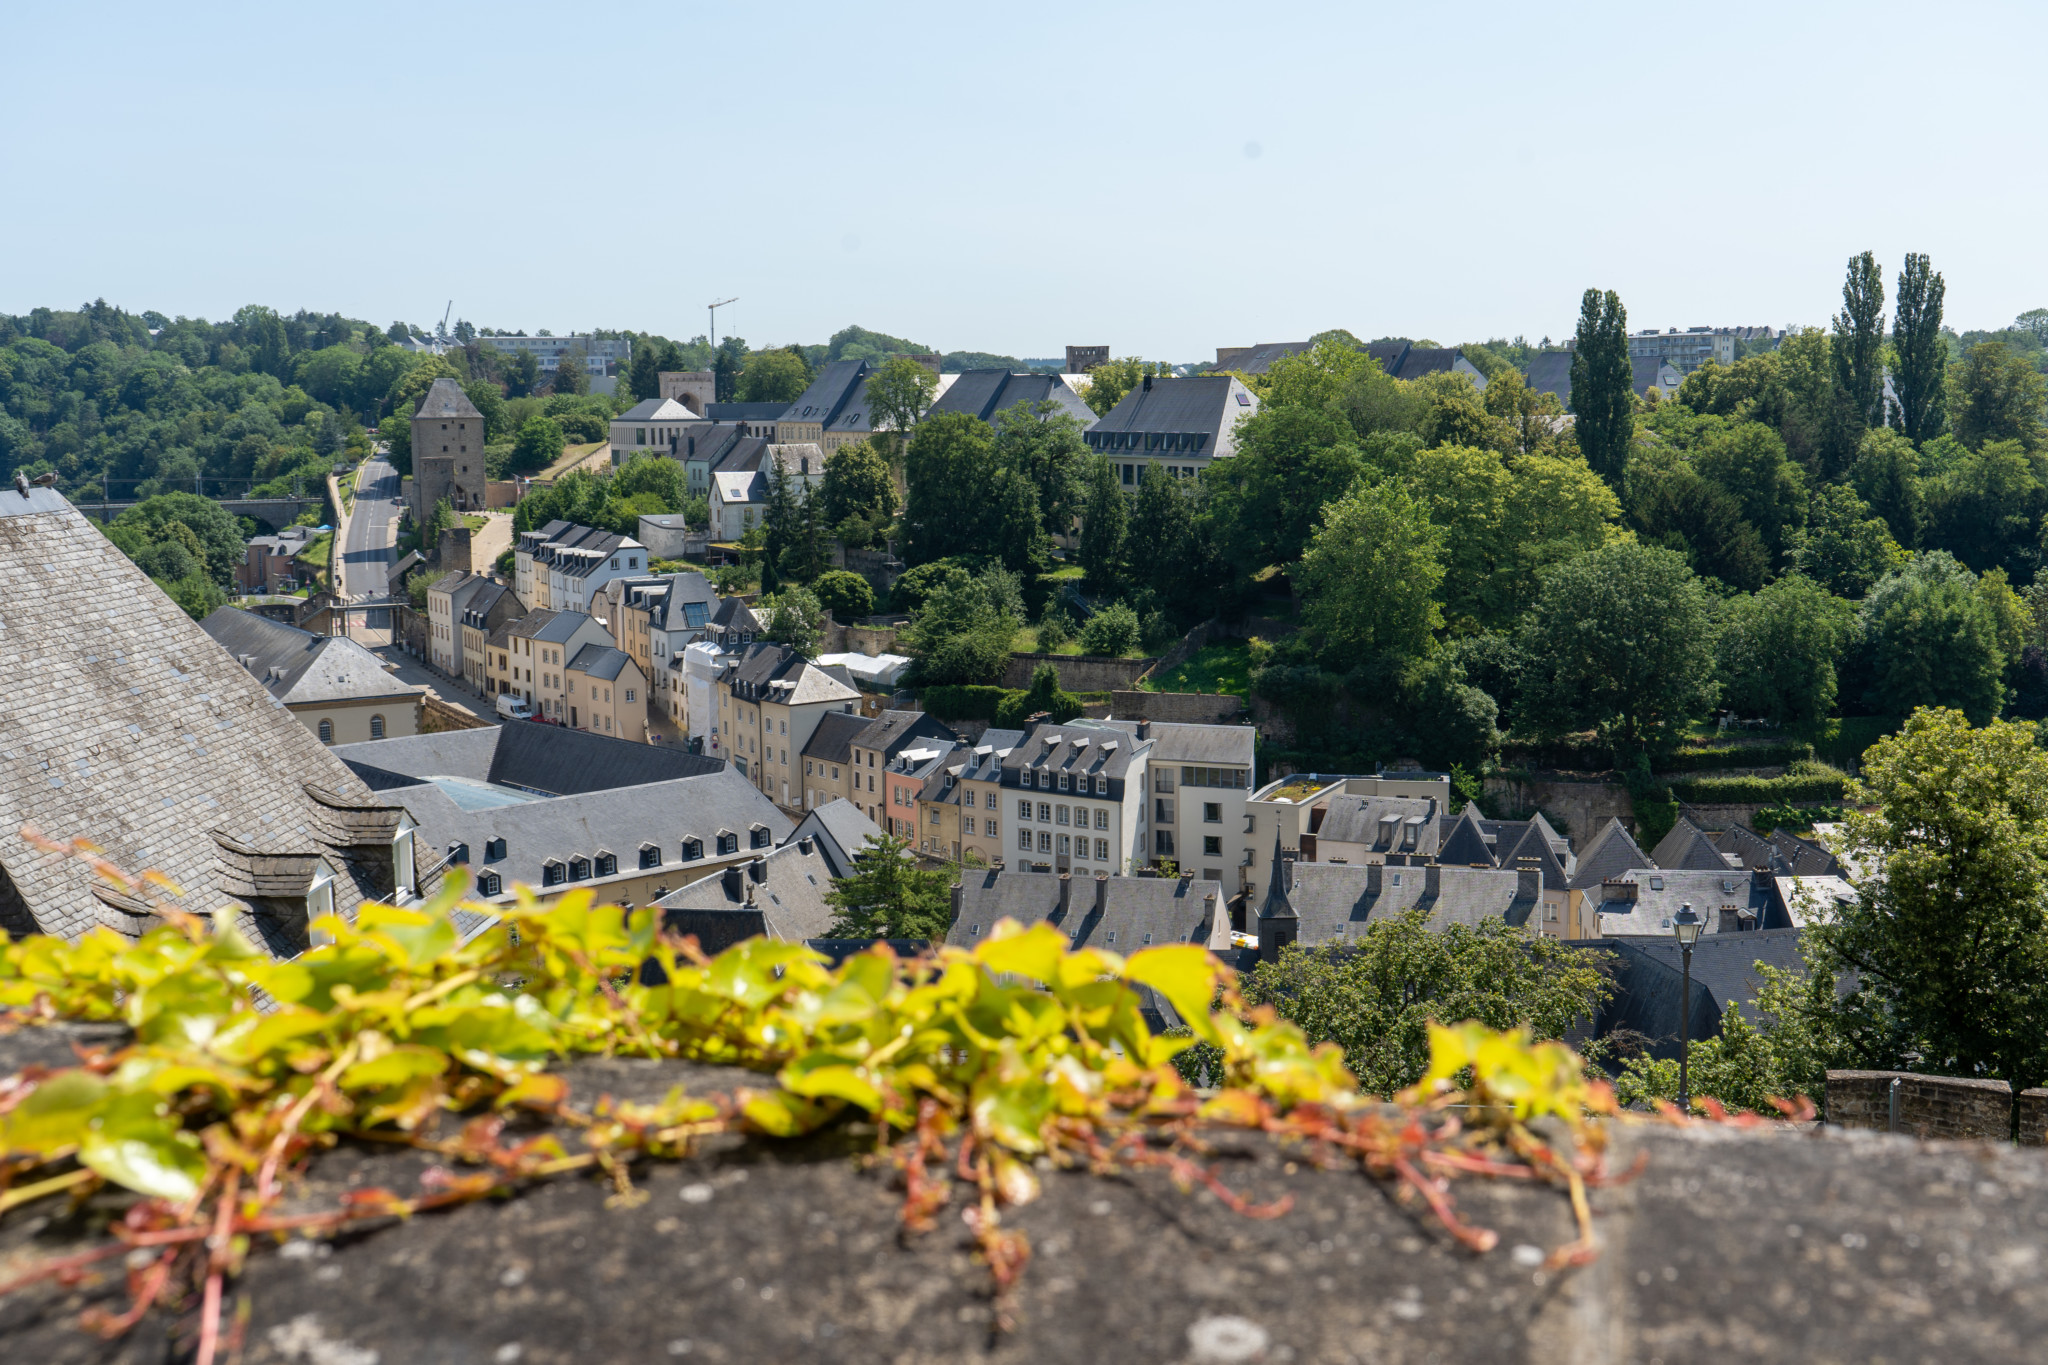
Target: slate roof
point(1687, 846)
point(892, 730)
point(1472, 838)
point(1802, 897)
point(127, 725)
point(984, 393)
point(599, 661)
point(477, 610)
point(780, 894)
point(656, 410)
point(984, 761)
point(1096, 749)
point(832, 741)
point(550, 759)
point(1551, 372)
point(617, 820)
point(1224, 746)
point(300, 668)
point(1179, 910)
point(1259, 359)
point(1660, 892)
point(446, 399)
point(843, 831)
point(1364, 820)
point(1804, 857)
point(1611, 852)
point(832, 390)
point(1334, 902)
point(1201, 405)
point(1648, 983)
point(548, 626)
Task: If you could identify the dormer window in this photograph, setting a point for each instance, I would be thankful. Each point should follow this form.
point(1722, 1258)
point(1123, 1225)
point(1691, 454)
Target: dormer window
point(552, 873)
point(404, 879)
point(1102, 786)
point(650, 855)
point(693, 849)
point(494, 849)
point(579, 869)
point(728, 842)
point(1064, 781)
point(607, 865)
point(758, 836)
point(489, 884)
point(320, 896)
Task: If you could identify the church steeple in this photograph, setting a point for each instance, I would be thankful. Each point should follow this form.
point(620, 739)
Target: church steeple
point(1278, 924)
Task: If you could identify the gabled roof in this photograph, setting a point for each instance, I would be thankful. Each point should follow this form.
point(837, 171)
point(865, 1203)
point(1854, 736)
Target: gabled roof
point(298, 667)
point(446, 399)
point(1804, 857)
point(843, 830)
point(1202, 405)
point(1612, 852)
point(1467, 842)
point(745, 412)
point(1661, 892)
point(1688, 846)
point(1259, 359)
point(1133, 911)
point(831, 390)
point(1551, 372)
point(1364, 820)
point(892, 730)
point(549, 759)
point(984, 393)
point(600, 661)
point(1097, 749)
point(656, 410)
point(1228, 746)
point(1537, 848)
point(128, 725)
point(1335, 902)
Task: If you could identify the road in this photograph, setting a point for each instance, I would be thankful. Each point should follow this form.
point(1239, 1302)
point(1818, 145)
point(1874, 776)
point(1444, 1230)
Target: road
point(372, 531)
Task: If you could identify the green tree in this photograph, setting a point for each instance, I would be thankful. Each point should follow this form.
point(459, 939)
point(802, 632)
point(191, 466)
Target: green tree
point(1370, 577)
point(846, 595)
point(1778, 650)
point(1748, 461)
point(1111, 631)
point(1015, 532)
point(1112, 379)
point(1376, 997)
point(1986, 508)
point(1162, 532)
point(1858, 344)
point(1316, 377)
point(898, 395)
point(1949, 945)
point(1290, 464)
point(795, 619)
point(1042, 697)
point(1886, 475)
point(656, 475)
point(1919, 351)
point(1621, 640)
point(1935, 639)
point(1603, 392)
point(857, 494)
point(1678, 509)
point(1105, 523)
point(1558, 509)
point(571, 375)
point(196, 595)
point(539, 444)
point(963, 631)
point(522, 375)
point(215, 535)
point(779, 376)
point(888, 895)
point(1042, 441)
point(1467, 493)
point(1997, 396)
point(1844, 548)
point(951, 469)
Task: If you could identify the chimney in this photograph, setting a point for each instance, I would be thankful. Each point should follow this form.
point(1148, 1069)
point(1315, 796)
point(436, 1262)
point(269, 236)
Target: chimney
point(959, 896)
point(1102, 893)
point(1210, 906)
point(733, 882)
point(1148, 383)
point(1433, 880)
point(1066, 892)
point(1614, 889)
point(808, 844)
point(758, 870)
point(1372, 878)
point(996, 866)
point(1145, 726)
point(1529, 883)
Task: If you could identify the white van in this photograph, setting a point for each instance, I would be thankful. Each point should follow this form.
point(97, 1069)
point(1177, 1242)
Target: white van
point(510, 707)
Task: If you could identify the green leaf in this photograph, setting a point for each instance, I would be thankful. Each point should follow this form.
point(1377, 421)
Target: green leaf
point(819, 1076)
point(407, 1062)
point(1186, 975)
point(56, 1114)
point(169, 1167)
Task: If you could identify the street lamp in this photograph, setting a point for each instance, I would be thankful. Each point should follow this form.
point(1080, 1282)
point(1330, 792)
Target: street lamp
point(1685, 927)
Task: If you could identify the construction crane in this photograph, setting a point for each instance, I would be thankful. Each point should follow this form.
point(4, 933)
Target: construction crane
point(714, 319)
point(442, 331)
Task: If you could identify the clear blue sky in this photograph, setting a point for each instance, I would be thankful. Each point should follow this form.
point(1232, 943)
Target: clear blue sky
point(1165, 178)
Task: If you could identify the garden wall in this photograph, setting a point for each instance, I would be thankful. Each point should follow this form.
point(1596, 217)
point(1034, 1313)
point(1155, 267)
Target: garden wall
point(1078, 672)
point(1928, 1106)
point(1178, 708)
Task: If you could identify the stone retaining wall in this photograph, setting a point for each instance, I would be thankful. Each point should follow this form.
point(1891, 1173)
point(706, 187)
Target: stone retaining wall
point(1078, 672)
point(1178, 708)
point(1928, 1106)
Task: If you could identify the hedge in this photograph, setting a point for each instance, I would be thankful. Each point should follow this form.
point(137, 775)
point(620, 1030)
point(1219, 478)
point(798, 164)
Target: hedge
point(956, 702)
point(1818, 785)
point(1709, 757)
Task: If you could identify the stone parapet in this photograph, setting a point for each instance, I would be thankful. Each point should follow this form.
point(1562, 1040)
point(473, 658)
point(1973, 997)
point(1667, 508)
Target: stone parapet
point(1926, 1106)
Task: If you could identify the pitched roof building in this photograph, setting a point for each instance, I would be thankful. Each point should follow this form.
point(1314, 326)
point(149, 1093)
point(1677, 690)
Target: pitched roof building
point(1124, 914)
point(129, 726)
point(1257, 359)
point(447, 451)
point(780, 894)
point(1406, 360)
point(1181, 425)
point(984, 393)
point(339, 690)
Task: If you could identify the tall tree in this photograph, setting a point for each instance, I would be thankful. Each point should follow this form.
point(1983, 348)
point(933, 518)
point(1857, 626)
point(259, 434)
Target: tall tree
point(1919, 352)
point(1603, 393)
point(1857, 347)
point(1999, 397)
point(1162, 524)
point(898, 394)
point(778, 376)
point(889, 895)
point(1104, 526)
point(1369, 579)
point(1043, 443)
point(951, 469)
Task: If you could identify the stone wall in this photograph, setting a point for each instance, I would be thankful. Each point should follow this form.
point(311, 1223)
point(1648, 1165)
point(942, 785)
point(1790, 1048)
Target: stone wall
point(2034, 1117)
point(1078, 672)
point(869, 640)
point(1929, 1106)
point(1578, 809)
point(437, 715)
point(1178, 708)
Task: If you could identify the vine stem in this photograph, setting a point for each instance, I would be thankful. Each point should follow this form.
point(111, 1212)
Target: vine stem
point(13, 1198)
point(266, 1177)
point(219, 1247)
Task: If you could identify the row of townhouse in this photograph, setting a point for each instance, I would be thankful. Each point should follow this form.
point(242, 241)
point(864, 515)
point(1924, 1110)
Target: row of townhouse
point(563, 566)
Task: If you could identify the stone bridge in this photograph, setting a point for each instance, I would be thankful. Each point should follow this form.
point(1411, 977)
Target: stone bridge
point(269, 511)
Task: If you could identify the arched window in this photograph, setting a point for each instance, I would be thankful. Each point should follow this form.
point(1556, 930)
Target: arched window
point(376, 727)
point(693, 849)
point(327, 732)
point(579, 869)
point(551, 873)
point(650, 855)
point(488, 884)
point(607, 865)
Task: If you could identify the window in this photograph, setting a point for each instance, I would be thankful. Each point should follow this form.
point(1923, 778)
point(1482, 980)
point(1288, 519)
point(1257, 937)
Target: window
point(1062, 813)
point(1112, 936)
point(974, 931)
point(551, 873)
point(1102, 819)
point(728, 842)
point(1024, 839)
point(376, 727)
point(650, 855)
point(327, 732)
point(494, 849)
point(579, 869)
point(693, 849)
point(1102, 786)
point(458, 853)
point(1102, 850)
point(1397, 879)
point(1045, 778)
point(1044, 812)
point(1045, 841)
point(1162, 842)
point(1212, 846)
point(489, 884)
point(629, 694)
point(967, 824)
point(1212, 813)
point(1162, 810)
point(1023, 810)
point(1064, 781)
point(1066, 845)
point(607, 865)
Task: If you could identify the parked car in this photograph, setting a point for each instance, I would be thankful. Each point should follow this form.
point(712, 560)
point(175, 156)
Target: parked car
point(510, 707)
